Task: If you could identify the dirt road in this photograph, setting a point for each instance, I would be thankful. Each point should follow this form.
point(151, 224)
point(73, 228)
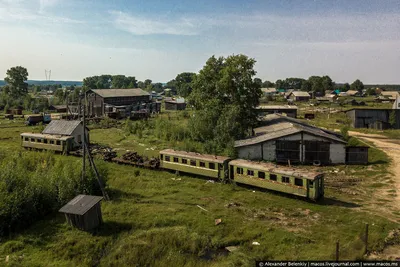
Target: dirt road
point(392, 149)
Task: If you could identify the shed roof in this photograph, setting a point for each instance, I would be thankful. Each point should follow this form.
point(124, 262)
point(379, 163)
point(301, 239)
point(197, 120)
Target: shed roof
point(193, 155)
point(59, 106)
point(282, 129)
point(300, 94)
point(390, 94)
point(80, 204)
point(351, 92)
point(109, 93)
point(269, 90)
point(269, 167)
point(277, 107)
point(61, 127)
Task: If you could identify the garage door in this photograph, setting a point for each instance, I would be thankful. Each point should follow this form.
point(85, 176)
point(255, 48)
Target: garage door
point(288, 150)
point(316, 151)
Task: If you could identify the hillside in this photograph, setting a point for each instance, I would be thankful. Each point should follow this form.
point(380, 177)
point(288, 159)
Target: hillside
point(36, 82)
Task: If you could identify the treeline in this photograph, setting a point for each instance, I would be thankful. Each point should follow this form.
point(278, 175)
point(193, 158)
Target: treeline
point(33, 185)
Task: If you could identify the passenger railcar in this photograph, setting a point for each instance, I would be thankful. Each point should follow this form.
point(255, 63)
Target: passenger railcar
point(195, 163)
point(63, 144)
point(283, 179)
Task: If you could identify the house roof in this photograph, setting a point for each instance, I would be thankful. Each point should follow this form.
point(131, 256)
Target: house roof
point(390, 94)
point(300, 94)
point(193, 155)
point(61, 127)
point(351, 92)
point(59, 106)
point(281, 129)
point(277, 107)
point(269, 90)
point(80, 204)
point(108, 93)
point(269, 167)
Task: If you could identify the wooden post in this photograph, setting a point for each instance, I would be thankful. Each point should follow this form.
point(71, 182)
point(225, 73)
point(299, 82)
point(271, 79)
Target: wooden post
point(337, 251)
point(366, 239)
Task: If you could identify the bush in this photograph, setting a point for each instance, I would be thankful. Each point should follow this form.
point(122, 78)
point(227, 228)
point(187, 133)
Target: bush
point(33, 185)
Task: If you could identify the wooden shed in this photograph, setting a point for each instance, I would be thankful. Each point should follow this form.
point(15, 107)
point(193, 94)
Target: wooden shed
point(83, 212)
point(175, 105)
point(357, 155)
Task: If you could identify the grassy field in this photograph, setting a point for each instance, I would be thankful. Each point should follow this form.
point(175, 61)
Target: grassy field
point(153, 218)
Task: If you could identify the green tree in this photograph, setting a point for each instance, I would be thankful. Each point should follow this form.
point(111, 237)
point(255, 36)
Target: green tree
point(16, 79)
point(327, 83)
point(183, 83)
point(224, 97)
point(357, 85)
point(140, 84)
point(267, 84)
point(371, 91)
point(306, 86)
point(258, 81)
point(346, 87)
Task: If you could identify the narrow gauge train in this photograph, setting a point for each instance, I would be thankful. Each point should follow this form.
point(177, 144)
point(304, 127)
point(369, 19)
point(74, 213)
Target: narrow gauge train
point(264, 175)
point(57, 143)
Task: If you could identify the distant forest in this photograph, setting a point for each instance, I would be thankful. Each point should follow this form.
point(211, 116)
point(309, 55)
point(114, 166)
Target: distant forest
point(63, 83)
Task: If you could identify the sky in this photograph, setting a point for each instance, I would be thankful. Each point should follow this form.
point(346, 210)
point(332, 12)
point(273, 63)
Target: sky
point(158, 39)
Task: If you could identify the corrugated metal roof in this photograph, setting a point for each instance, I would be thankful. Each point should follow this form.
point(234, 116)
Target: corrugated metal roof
point(282, 129)
point(193, 155)
point(108, 93)
point(268, 167)
point(47, 136)
point(301, 94)
point(277, 107)
point(351, 92)
point(80, 204)
point(61, 127)
point(269, 90)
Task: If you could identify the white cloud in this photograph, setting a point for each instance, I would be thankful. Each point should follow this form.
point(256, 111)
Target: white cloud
point(142, 26)
point(45, 4)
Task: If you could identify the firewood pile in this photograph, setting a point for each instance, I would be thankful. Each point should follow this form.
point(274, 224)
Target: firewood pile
point(135, 159)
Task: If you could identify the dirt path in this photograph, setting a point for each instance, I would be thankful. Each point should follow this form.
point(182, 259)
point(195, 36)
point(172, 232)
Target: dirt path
point(392, 149)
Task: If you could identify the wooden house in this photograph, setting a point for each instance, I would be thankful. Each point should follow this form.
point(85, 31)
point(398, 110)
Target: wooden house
point(287, 110)
point(177, 104)
point(373, 118)
point(58, 108)
point(83, 212)
point(299, 96)
point(67, 128)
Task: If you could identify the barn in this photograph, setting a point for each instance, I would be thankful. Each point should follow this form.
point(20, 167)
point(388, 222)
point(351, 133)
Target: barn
point(102, 101)
point(83, 212)
point(299, 96)
point(287, 140)
point(178, 104)
point(67, 128)
point(374, 118)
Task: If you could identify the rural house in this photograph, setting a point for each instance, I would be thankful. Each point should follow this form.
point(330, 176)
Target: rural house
point(103, 101)
point(353, 93)
point(373, 118)
point(299, 96)
point(290, 111)
point(389, 95)
point(269, 91)
point(67, 128)
point(285, 139)
point(178, 104)
point(83, 212)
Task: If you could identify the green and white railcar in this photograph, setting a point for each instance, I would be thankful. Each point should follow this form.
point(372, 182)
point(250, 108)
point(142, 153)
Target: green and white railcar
point(57, 143)
point(195, 163)
point(283, 179)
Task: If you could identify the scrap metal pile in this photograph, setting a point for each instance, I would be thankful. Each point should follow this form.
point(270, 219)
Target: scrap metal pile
point(133, 158)
point(104, 152)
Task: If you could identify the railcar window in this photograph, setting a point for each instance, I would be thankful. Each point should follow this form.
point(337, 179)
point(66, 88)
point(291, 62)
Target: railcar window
point(184, 161)
point(202, 164)
point(273, 177)
point(51, 142)
point(285, 179)
point(298, 182)
point(39, 140)
point(239, 170)
point(26, 139)
point(261, 175)
point(250, 172)
point(58, 142)
point(193, 162)
point(211, 166)
point(167, 158)
point(161, 156)
point(311, 184)
point(176, 159)
point(45, 141)
point(32, 139)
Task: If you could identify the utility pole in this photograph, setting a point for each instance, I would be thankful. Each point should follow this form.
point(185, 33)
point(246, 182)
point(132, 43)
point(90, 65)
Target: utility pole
point(84, 139)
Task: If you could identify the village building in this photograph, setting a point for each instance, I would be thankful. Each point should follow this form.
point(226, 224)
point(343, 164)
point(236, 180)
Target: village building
point(327, 98)
point(269, 91)
point(353, 93)
point(83, 212)
point(389, 95)
point(284, 139)
point(177, 104)
point(103, 101)
point(396, 103)
point(374, 118)
point(287, 110)
point(64, 128)
point(299, 96)
point(58, 108)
